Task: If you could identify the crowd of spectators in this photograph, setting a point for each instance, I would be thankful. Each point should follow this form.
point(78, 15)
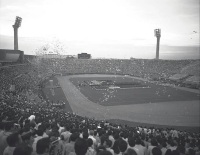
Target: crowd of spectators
point(154, 70)
point(59, 133)
point(36, 127)
point(137, 67)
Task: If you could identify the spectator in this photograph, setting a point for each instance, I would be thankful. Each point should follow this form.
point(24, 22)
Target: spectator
point(131, 144)
point(98, 141)
point(42, 146)
point(38, 137)
point(12, 140)
point(85, 134)
point(168, 152)
point(108, 145)
point(3, 142)
point(66, 134)
point(172, 145)
point(90, 150)
point(27, 139)
point(80, 147)
point(69, 147)
point(22, 150)
point(122, 146)
point(59, 148)
point(156, 151)
point(100, 149)
point(130, 151)
point(116, 147)
point(153, 144)
point(181, 150)
point(163, 148)
point(103, 139)
point(91, 136)
point(141, 149)
point(110, 136)
point(47, 132)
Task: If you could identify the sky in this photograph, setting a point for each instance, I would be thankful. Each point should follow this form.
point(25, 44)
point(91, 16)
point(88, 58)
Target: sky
point(104, 28)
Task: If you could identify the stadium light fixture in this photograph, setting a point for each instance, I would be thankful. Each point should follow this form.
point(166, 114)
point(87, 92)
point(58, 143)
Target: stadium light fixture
point(157, 33)
point(17, 24)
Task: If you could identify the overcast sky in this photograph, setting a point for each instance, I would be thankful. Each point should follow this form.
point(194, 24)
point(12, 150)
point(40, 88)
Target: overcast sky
point(104, 28)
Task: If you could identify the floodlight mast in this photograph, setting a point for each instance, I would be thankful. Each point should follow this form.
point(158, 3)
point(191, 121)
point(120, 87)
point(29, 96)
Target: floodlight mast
point(17, 24)
point(157, 33)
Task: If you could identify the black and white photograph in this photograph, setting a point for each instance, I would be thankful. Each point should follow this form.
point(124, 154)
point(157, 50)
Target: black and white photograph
point(99, 77)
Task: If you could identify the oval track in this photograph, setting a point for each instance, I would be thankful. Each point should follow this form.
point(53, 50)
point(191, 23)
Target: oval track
point(179, 113)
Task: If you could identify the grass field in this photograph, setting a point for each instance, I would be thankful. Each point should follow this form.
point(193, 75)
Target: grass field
point(156, 105)
point(150, 93)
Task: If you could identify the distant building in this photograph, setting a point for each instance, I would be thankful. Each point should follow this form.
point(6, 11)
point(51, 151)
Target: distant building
point(70, 56)
point(11, 56)
point(84, 56)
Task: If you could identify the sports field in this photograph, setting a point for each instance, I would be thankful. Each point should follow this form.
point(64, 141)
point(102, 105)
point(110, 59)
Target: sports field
point(127, 90)
point(130, 99)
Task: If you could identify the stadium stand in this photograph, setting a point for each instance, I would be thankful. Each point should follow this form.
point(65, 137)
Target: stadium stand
point(45, 129)
point(193, 80)
point(192, 69)
point(178, 77)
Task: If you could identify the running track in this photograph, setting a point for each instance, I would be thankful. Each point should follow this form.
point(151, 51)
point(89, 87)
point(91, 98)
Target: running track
point(179, 113)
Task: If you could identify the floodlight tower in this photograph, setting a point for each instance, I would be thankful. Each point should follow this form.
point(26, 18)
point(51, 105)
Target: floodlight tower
point(157, 33)
point(17, 24)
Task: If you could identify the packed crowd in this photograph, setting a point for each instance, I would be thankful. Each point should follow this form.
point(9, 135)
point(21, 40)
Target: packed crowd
point(154, 70)
point(49, 131)
point(36, 127)
point(137, 67)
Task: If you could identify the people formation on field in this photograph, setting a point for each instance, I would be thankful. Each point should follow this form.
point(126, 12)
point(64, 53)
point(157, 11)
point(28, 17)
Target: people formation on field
point(29, 125)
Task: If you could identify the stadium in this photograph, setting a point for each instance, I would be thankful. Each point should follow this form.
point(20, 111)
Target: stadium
point(139, 93)
point(125, 97)
point(52, 103)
